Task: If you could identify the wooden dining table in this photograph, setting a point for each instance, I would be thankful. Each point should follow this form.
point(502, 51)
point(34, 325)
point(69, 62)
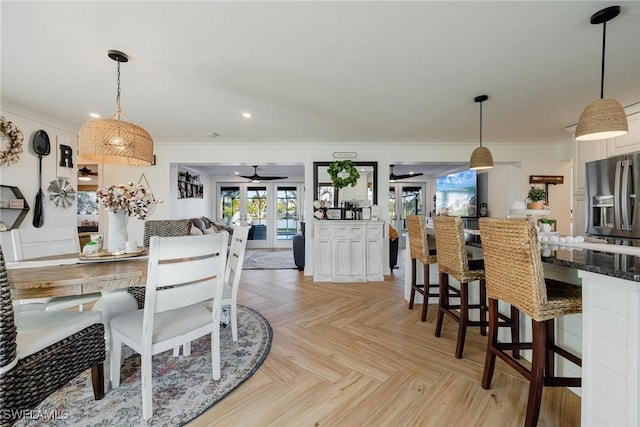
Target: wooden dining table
point(76, 279)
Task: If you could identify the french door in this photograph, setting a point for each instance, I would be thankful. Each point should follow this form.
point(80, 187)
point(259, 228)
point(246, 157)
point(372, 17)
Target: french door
point(272, 210)
point(405, 199)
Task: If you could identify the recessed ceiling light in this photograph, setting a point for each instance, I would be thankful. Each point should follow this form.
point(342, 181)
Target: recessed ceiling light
point(246, 115)
point(94, 115)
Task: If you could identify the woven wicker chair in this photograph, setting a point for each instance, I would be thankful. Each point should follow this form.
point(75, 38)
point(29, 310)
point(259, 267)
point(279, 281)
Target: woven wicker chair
point(41, 351)
point(453, 261)
point(419, 250)
point(515, 275)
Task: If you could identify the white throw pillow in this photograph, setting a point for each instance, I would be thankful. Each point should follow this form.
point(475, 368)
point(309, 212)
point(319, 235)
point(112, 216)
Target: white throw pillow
point(210, 230)
point(195, 231)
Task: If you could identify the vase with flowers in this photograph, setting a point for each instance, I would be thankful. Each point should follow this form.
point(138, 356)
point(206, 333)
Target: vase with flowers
point(121, 202)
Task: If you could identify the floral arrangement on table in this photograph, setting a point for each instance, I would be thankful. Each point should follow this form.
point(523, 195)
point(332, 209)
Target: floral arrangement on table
point(134, 199)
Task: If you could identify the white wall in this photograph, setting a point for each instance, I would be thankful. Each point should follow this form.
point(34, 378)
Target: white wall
point(508, 181)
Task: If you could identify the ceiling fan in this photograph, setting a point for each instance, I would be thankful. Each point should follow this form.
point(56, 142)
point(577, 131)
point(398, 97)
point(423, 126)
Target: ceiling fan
point(257, 178)
point(394, 177)
point(84, 174)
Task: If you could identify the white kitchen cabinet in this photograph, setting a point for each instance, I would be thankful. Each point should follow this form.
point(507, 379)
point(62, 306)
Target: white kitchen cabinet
point(583, 152)
point(348, 251)
point(629, 143)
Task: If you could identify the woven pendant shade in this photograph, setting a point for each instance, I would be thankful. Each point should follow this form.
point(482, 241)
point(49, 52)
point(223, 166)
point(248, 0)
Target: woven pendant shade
point(603, 118)
point(481, 158)
point(115, 142)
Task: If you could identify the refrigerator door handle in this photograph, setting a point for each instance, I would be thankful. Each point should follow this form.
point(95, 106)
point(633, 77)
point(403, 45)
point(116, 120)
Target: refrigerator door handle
point(624, 195)
point(617, 199)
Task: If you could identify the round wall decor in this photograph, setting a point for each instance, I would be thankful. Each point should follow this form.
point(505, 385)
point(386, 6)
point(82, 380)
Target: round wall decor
point(61, 193)
point(343, 173)
point(13, 137)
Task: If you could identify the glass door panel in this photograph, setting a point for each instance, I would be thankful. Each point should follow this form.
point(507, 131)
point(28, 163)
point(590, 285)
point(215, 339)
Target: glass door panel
point(405, 199)
point(286, 213)
point(229, 204)
point(257, 216)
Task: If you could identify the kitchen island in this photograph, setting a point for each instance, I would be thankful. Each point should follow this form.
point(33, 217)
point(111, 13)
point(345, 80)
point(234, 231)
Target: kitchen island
point(607, 333)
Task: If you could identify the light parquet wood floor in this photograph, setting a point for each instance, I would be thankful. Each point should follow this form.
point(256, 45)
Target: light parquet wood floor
point(352, 354)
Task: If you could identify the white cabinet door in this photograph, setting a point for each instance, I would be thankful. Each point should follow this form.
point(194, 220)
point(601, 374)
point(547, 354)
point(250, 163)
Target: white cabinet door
point(375, 252)
point(583, 152)
point(579, 226)
point(348, 251)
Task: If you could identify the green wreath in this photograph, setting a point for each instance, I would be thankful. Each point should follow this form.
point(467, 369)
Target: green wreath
point(337, 171)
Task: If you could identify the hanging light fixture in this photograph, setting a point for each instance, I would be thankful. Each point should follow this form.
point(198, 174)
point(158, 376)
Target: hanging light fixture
point(115, 141)
point(604, 117)
point(481, 157)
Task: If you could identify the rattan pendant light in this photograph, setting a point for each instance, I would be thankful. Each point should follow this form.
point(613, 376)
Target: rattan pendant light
point(481, 157)
point(605, 117)
point(115, 141)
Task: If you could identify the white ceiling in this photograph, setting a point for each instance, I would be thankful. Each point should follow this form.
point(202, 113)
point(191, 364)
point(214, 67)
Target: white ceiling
point(307, 71)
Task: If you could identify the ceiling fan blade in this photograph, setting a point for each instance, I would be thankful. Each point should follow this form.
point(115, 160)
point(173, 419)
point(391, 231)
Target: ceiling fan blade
point(271, 178)
point(405, 176)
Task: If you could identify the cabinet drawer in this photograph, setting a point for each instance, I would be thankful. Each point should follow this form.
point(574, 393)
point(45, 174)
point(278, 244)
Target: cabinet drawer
point(374, 231)
point(323, 232)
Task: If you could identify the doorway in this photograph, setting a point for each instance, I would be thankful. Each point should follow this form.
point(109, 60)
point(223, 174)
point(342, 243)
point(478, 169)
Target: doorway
point(405, 199)
point(271, 209)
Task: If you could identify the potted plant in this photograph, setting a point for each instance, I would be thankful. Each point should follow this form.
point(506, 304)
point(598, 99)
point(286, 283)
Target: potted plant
point(536, 197)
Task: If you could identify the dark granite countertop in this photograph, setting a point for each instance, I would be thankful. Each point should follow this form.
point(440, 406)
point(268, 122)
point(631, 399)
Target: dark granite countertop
point(622, 266)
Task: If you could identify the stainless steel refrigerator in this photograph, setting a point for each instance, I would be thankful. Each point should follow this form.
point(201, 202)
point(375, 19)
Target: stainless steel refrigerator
point(612, 208)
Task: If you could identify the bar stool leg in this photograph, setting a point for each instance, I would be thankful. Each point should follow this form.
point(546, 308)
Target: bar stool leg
point(515, 330)
point(549, 367)
point(492, 340)
point(483, 307)
point(413, 283)
point(464, 318)
point(425, 302)
point(536, 382)
point(443, 301)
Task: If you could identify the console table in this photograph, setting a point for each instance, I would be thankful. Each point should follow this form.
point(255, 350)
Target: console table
point(348, 251)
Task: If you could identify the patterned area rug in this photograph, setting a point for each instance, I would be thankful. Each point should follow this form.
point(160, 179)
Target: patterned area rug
point(281, 259)
point(182, 386)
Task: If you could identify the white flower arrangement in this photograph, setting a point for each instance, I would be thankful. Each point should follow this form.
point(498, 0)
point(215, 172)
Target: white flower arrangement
point(132, 198)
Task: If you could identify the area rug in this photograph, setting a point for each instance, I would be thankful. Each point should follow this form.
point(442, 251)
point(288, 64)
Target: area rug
point(269, 260)
point(182, 386)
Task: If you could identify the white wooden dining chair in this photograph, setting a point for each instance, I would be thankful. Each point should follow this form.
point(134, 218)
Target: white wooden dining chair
point(183, 272)
point(30, 244)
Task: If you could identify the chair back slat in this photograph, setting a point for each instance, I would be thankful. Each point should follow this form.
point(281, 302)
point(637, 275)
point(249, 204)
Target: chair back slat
point(512, 262)
point(192, 265)
point(37, 243)
point(451, 247)
point(235, 259)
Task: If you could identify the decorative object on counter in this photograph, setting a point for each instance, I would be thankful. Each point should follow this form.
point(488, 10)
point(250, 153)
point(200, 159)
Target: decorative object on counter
point(61, 193)
point(10, 132)
point(121, 202)
point(605, 117)
point(343, 173)
point(114, 140)
point(42, 147)
point(320, 208)
point(536, 197)
point(481, 157)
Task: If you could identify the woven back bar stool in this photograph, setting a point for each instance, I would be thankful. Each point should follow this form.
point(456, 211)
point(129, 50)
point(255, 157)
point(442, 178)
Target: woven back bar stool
point(515, 275)
point(419, 250)
point(453, 261)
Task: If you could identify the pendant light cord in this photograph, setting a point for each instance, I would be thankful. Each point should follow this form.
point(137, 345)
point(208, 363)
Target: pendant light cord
point(604, 39)
point(119, 110)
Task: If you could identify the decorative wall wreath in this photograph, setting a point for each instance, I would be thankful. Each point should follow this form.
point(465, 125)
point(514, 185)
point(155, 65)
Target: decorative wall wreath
point(343, 173)
point(11, 132)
